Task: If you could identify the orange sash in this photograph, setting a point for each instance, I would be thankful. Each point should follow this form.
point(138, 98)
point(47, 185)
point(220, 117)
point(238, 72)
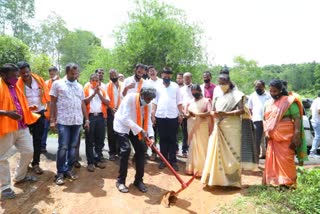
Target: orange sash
point(7, 124)
point(139, 85)
point(44, 91)
point(111, 95)
point(103, 106)
point(145, 118)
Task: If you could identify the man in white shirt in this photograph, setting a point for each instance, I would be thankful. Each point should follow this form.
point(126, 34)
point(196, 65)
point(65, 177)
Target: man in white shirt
point(187, 98)
point(167, 114)
point(96, 100)
point(132, 123)
point(134, 83)
point(256, 104)
point(67, 112)
point(155, 82)
point(37, 94)
point(315, 120)
point(114, 92)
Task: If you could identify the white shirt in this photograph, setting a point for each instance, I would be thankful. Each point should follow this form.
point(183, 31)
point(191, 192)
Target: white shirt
point(116, 91)
point(256, 103)
point(186, 94)
point(125, 119)
point(95, 103)
point(155, 83)
point(33, 96)
point(130, 80)
point(167, 101)
point(69, 100)
point(314, 110)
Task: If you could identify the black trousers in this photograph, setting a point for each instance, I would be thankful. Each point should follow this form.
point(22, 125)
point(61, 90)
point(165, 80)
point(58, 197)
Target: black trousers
point(168, 128)
point(125, 149)
point(155, 129)
point(185, 146)
point(258, 125)
point(95, 138)
point(112, 142)
point(36, 130)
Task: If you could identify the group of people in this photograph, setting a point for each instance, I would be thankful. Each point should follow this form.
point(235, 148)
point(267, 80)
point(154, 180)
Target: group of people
point(140, 109)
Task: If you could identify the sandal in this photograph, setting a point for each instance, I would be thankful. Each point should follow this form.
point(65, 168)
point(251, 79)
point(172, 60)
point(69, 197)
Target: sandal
point(28, 178)
point(7, 194)
point(122, 188)
point(36, 169)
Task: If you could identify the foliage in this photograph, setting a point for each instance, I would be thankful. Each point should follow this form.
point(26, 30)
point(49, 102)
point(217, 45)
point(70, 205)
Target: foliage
point(12, 50)
point(46, 38)
point(16, 14)
point(40, 64)
point(100, 58)
point(244, 73)
point(158, 34)
point(304, 199)
point(77, 47)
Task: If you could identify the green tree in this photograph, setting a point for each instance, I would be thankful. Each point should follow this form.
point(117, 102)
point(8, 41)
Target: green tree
point(45, 41)
point(40, 64)
point(158, 34)
point(77, 47)
point(16, 14)
point(244, 73)
point(12, 50)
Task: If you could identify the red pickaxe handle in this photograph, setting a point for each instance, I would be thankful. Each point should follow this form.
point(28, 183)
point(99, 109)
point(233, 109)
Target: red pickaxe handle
point(183, 184)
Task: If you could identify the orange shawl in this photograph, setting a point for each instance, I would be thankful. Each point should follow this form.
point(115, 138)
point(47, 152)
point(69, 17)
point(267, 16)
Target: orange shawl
point(139, 85)
point(139, 118)
point(103, 106)
point(7, 124)
point(44, 91)
point(111, 95)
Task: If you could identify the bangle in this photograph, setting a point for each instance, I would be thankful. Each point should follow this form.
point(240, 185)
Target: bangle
point(87, 121)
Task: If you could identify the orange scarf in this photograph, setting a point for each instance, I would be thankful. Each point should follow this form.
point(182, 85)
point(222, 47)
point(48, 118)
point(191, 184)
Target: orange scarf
point(7, 124)
point(139, 85)
point(145, 118)
point(111, 95)
point(49, 83)
point(103, 106)
point(44, 91)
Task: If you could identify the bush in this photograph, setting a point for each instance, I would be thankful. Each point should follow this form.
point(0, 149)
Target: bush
point(13, 50)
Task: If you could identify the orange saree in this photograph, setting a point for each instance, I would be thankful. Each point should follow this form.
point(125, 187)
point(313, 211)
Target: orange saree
point(280, 167)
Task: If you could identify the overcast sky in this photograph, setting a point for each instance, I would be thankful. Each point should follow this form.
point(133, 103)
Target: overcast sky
point(268, 31)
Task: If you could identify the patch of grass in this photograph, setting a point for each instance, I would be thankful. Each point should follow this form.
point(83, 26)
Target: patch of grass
point(268, 199)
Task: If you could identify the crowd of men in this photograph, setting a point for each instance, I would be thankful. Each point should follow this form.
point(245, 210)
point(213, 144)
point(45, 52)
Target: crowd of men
point(131, 112)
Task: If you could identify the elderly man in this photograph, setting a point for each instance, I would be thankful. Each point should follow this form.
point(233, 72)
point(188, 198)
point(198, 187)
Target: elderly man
point(167, 113)
point(15, 115)
point(37, 94)
point(114, 93)
point(67, 112)
point(132, 123)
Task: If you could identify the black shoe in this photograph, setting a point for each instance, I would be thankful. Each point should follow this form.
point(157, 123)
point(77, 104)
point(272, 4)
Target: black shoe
point(175, 166)
point(122, 187)
point(112, 157)
point(77, 164)
point(141, 186)
point(162, 165)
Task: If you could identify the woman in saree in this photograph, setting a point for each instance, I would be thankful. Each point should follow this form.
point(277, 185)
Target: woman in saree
point(199, 129)
point(223, 161)
point(282, 124)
